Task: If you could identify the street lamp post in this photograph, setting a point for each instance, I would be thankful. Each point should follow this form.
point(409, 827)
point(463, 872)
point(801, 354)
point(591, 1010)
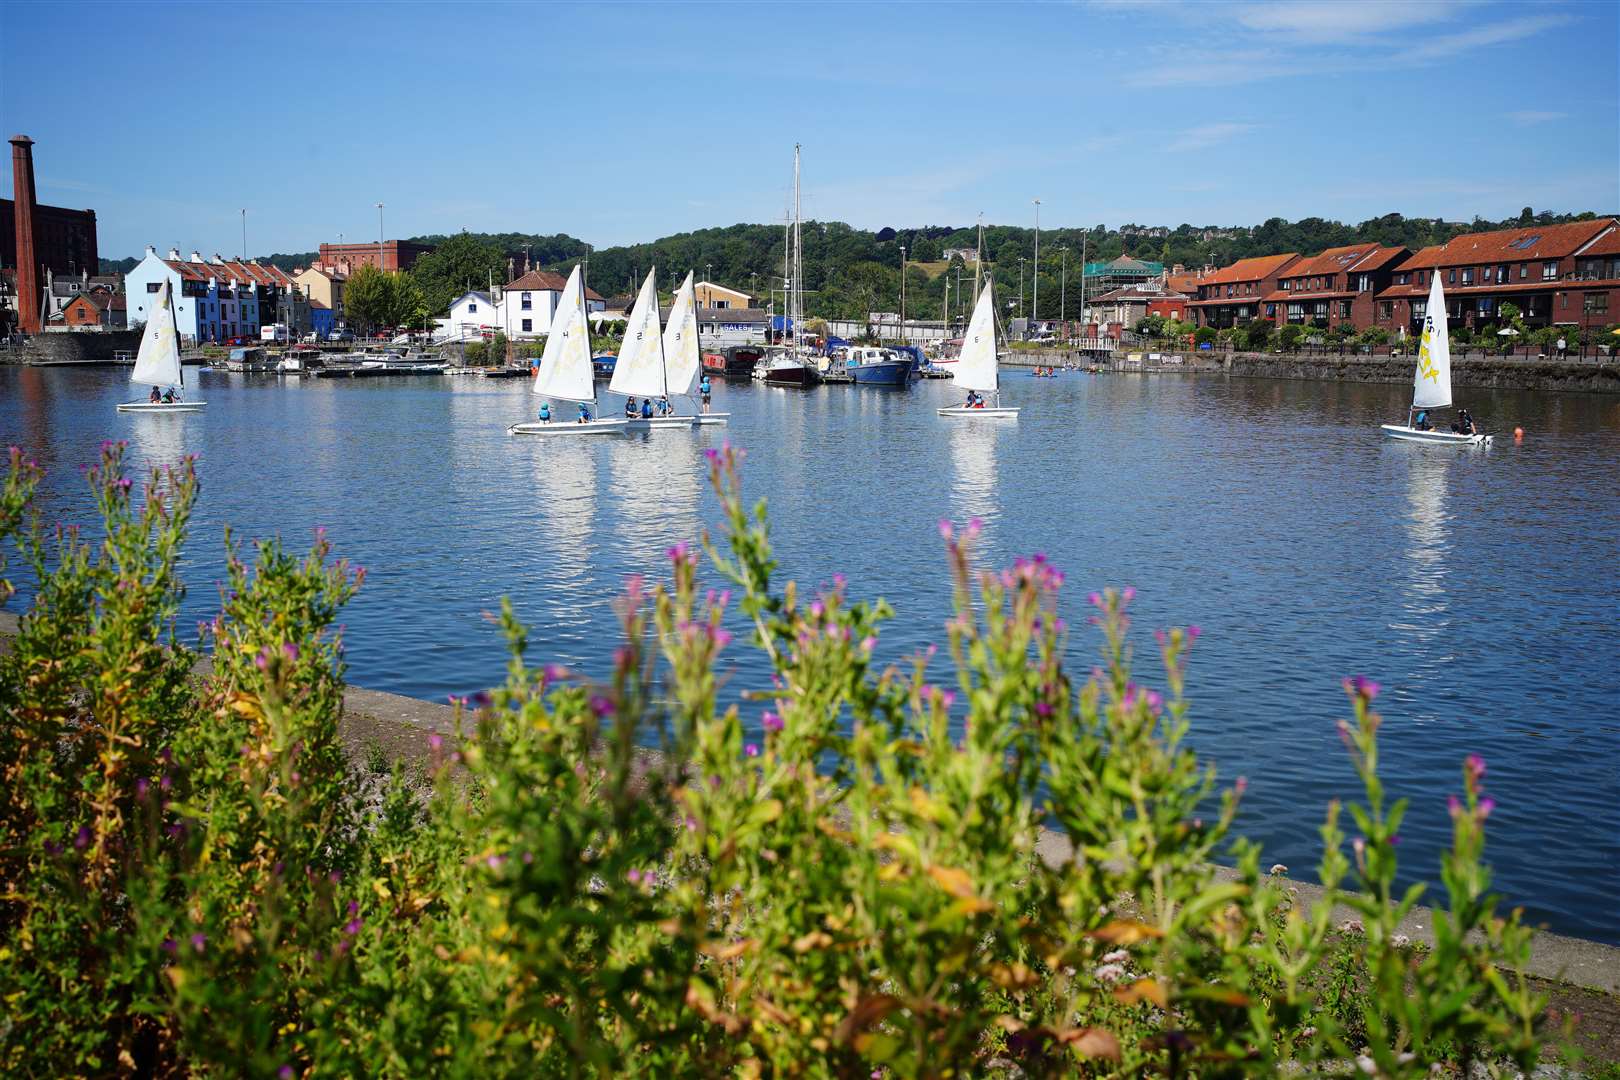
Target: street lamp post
point(1035, 305)
point(1021, 294)
point(244, 234)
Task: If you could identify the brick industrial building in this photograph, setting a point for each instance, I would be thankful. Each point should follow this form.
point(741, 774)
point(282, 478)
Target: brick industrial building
point(34, 238)
point(389, 254)
point(1556, 275)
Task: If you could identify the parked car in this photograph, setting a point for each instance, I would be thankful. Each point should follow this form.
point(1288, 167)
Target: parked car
point(340, 335)
point(238, 340)
point(311, 338)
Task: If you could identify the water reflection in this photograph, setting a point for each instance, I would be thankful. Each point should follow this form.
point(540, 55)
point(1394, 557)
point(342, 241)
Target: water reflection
point(973, 447)
point(654, 480)
point(563, 510)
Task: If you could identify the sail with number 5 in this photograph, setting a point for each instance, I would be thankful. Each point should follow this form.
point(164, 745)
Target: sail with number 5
point(1431, 386)
point(565, 365)
point(977, 367)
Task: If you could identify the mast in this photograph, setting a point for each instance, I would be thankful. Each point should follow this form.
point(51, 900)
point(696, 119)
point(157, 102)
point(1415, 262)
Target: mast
point(585, 317)
point(798, 260)
point(978, 258)
point(180, 364)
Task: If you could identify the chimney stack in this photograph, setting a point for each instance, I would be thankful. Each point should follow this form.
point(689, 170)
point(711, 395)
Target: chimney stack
point(174, 254)
point(22, 179)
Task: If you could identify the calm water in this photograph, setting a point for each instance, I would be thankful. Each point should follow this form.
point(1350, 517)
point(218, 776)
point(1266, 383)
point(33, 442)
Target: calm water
point(1480, 587)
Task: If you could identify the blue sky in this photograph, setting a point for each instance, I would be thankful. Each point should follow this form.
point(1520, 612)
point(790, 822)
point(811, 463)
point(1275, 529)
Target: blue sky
point(624, 122)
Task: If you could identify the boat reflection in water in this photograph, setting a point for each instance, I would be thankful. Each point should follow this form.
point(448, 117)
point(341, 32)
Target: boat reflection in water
point(974, 491)
point(1424, 615)
point(561, 532)
point(655, 485)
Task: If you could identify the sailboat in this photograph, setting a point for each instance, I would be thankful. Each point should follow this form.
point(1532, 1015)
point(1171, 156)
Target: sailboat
point(565, 369)
point(1431, 384)
point(682, 357)
point(977, 367)
point(158, 362)
point(792, 366)
point(640, 370)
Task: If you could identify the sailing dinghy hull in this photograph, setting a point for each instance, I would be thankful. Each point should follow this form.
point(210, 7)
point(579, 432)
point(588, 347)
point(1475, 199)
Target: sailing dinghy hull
point(962, 410)
point(1437, 438)
point(569, 427)
point(711, 419)
point(162, 407)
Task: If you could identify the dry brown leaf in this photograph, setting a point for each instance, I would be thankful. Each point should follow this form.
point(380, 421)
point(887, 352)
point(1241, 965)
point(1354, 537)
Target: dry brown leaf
point(1143, 990)
point(1091, 1042)
point(868, 1011)
point(1126, 932)
point(815, 939)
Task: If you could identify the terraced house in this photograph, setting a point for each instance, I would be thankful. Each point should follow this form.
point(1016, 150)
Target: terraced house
point(1339, 286)
point(214, 300)
point(1556, 275)
point(1234, 295)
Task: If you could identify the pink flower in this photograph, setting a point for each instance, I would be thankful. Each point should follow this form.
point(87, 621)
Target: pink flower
point(1095, 600)
point(555, 672)
point(1361, 687)
point(945, 529)
point(290, 651)
point(1475, 766)
point(602, 706)
point(770, 721)
point(1193, 632)
point(1129, 594)
point(751, 750)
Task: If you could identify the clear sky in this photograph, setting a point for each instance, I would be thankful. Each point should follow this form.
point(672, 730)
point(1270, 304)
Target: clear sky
point(625, 122)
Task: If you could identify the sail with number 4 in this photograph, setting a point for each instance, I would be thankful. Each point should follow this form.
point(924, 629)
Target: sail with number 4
point(977, 367)
point(639, 371)
point(681, 357)
point(158, 362)
point(565, 365)
point(1431, 386)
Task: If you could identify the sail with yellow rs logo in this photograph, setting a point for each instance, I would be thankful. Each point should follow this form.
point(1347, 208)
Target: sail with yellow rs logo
point(1431, 387)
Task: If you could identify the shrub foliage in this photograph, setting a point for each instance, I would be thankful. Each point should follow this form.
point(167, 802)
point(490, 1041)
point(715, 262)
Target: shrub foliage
point(847, 876)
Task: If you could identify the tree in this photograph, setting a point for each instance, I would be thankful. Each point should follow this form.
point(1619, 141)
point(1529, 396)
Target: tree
point(376, 298)
point(1290, 336)
point(461, 263)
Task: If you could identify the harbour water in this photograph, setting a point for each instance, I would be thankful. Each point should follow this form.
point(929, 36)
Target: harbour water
point(1479, 587)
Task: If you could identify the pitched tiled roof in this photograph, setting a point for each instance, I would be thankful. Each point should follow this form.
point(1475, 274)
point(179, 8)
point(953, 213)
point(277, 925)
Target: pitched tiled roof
point(234, 273)
point(1350, 257)
point(1426, 258)
point(1138, 292)
point(1183, 283)
point(1608, 244)
point(1261, 266)
point(1519, 245)
point(546, 281)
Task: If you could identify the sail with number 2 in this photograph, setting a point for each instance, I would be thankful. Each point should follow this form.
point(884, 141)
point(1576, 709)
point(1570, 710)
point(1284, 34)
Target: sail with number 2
point(639, 371)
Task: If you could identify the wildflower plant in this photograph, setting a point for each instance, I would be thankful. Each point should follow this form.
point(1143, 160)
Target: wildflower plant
point(966, 863)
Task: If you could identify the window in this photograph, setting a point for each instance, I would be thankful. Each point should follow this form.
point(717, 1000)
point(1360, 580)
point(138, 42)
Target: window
point(722, 303)
point(1386, 309)
point(472, 306)
point(153, 286)
point(1451, 277)
point(1549, 271)
point(1287, 285)
point(1489, 270)
point(1524, 270)
point(1563, 300)
point(1596, 303)
point(528, 325)
point(1403, 279)
point(527, 305)
point(1364, 283)
point(1344, 309)
point(1485, 306)
point(1468, 275)
point(1271, 311)
point(1420, 308)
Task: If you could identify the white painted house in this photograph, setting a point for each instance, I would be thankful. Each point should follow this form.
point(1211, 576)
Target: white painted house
point(214, 300)
point(522, 310)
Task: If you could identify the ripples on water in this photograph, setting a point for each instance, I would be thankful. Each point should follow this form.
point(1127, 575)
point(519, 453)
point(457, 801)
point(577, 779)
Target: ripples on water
point(1478, 586)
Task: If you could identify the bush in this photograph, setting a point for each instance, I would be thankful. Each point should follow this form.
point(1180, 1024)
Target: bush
point(1290, 337)
point(1204, 334)
point(1257, 336)
point(1373, 335)
point(1151, 326)
point(843, 883)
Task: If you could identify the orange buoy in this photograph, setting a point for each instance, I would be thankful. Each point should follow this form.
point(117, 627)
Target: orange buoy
point(1518, 434)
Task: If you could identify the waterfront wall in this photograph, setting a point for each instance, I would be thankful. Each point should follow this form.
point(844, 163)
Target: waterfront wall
point(78, 348)
point(1503, 373)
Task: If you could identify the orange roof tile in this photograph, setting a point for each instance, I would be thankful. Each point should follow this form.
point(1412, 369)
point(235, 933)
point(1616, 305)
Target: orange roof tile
point(1517, 245)
point(1608, 244)
point(1261, 266)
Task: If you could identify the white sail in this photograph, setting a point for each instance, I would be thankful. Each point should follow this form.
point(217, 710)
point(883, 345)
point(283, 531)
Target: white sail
point(639, 370)
point(158, 362)
point(976, 368)
point(565, 366)
point(681, 357)
point(1431, 386)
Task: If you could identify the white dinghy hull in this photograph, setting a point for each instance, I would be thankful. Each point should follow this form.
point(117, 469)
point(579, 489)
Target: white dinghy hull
point(161, 407)
point(648, 423)
point(1438, 438)
point(963, 410)
point(569, 427)
point(711, 419)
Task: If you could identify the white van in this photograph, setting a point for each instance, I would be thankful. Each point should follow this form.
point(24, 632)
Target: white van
point(276, 332)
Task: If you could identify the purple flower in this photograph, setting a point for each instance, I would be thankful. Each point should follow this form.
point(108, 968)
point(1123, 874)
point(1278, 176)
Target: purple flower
point(868, 643)
point(713, 455)
point(554, 672)
point(436, 742)
point(353, 908)
point(141, 787)
point(285, 1072)
point(1095, 600)
point(1362, 687)
point(602, 706)
point(494, 862)
point(1453, 805)
point(82, 839)
point(722, 638)
point(677, 552)
point(290, 651)
point(1241, 785)
point(945, 529)
point(817, 609)
point(1486, 805)
point(198, 940)
point(1193, 632)
point(1476, 767)
point(751, 750)
point(480, 700)
point(770, 721)
point(1129, 594)
point(633, 875)
point(262, 661)
point(169, 946)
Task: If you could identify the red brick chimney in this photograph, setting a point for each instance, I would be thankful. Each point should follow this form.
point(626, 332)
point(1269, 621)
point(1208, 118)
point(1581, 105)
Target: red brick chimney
point(22, 178)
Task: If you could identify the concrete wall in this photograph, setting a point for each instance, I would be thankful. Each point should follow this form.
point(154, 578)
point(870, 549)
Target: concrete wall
point(97, 348)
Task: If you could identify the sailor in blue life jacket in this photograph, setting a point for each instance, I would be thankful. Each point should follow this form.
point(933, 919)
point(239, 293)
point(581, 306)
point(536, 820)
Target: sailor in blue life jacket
point(584, 414)
point(664, 407)
point(705, 389)
point(630, 408)
point(1422, 421)
point(545, 412)
point(646, 408)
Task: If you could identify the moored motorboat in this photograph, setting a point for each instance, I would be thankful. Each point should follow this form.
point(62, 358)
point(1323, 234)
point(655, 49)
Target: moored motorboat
point(740, 361)
point(877, 367)
point(789, 369)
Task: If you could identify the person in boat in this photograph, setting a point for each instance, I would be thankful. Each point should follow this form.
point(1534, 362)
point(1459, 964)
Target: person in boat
point(168, 396)
point(664, 407)
point(1464, 424)
point(630, 408)
point(584, 414)
point(545, 412)
point(705, 389)
point(1421, 423)
point(646, 408)
point(155, 396)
